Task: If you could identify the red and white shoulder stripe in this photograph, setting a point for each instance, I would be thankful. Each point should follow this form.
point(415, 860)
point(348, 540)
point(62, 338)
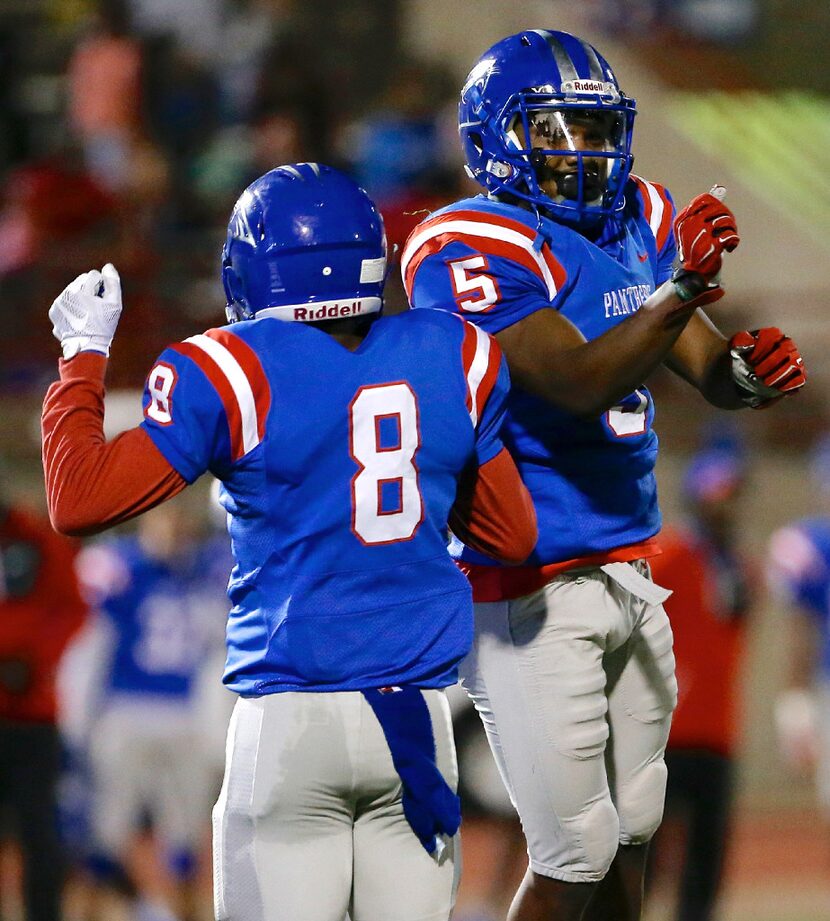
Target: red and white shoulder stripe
point(490, 234)
point(235, 372)
point(481, 358)
point(657, 209)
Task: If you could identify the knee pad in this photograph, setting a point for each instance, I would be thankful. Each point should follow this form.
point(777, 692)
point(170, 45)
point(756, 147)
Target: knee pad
point(640, 803)
point(598, 830)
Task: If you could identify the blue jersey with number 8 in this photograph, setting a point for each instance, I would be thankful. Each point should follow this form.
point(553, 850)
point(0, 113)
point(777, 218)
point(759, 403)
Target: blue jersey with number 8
point(338, 470)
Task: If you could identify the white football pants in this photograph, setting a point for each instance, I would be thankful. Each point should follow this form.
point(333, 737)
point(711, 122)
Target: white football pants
point(310, 824)
point(575, 686)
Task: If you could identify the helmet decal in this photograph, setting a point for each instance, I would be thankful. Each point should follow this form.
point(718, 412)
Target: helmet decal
point(239, 226)
point(480, 74)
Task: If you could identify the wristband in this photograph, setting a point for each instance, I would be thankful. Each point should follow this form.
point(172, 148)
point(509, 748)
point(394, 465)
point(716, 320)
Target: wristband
point(690, 285)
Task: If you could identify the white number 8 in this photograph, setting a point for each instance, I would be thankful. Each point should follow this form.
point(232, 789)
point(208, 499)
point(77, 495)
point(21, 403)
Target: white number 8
point(386, 500)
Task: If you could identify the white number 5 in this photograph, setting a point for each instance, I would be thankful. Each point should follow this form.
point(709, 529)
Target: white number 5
point(386, 500)
point(483, 288)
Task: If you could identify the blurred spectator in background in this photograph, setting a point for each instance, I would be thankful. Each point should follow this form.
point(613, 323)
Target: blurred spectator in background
point(40, 610)
point(132, 708)
point(702, 564)
point(799, 566)
point(274, 106)
point(193, 25)
point(717, 21)
point(251, 30)
point(289, 83)
point(104, 94)
point(14, 133)
point(399, 151)
point(51, 209)
point(51, 202)
point(181, 105)
point(240, 153)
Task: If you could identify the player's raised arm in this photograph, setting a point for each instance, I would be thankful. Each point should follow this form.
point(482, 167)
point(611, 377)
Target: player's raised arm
point(550, 357)
point(92, 484)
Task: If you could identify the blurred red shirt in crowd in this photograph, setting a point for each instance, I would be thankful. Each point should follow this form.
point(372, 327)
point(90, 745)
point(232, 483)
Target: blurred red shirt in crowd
point(40, 610)
point(708, 645)
point(48, 202)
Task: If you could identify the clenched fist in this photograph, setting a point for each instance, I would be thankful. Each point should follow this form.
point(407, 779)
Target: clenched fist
point(85, 314)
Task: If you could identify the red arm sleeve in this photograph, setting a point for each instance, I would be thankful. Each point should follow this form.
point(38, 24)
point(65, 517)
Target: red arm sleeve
point(493, 512)
point(92, 484)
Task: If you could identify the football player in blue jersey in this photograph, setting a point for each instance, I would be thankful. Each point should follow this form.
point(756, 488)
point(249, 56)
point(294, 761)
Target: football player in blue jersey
point(133, 708)
point(588, 281)
point(799, 575)
point(345, 444)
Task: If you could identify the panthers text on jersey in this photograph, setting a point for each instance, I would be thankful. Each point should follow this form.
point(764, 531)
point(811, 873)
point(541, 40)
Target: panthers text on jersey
point(339, 469)
point(592, 480)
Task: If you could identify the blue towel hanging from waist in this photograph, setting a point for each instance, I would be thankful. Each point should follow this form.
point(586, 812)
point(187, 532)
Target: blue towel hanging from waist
point(429, 804)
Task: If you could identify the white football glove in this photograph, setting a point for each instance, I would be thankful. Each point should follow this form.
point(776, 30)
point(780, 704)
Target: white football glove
point(84, 316)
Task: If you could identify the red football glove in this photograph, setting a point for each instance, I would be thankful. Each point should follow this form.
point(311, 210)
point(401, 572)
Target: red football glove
point(704, 229)
point(766, 365)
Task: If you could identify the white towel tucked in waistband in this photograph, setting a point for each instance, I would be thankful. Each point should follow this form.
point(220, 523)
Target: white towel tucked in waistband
point(625, 575)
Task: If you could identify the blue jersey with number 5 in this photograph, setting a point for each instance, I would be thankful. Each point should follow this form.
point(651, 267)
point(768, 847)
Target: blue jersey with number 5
point(592, 480)
point(339, 469)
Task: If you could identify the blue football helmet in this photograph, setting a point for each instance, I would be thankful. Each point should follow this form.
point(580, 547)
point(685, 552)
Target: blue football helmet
point(305, 243)
point(541, 107)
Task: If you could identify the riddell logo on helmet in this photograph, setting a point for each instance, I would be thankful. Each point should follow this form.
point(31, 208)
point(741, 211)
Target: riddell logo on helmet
point(329, 311)
point(589, 86)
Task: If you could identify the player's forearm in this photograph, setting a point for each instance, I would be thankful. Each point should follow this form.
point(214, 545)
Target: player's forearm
point(594, 376)
point(717, 384)
point(701, 357)
point(629, 352)
point(92, 484)
point(494, 513)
